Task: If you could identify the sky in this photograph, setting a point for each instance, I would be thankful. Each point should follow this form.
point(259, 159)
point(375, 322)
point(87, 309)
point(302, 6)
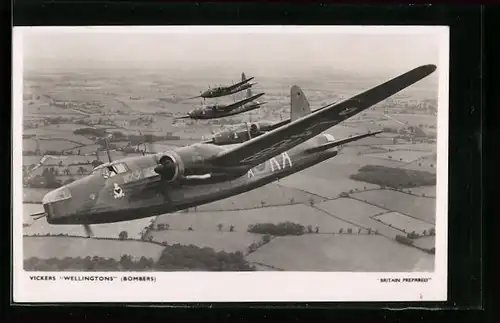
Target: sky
point(279, 49)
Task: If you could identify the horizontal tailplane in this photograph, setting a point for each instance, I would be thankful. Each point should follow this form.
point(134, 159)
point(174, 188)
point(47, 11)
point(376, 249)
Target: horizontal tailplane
point(333, 144)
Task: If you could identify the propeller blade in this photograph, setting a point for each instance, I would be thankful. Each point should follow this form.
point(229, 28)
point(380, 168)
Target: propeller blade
point(88, 231)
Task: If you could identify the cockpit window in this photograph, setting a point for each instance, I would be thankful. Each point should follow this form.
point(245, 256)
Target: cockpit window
point(110, 170)
point(120, 168)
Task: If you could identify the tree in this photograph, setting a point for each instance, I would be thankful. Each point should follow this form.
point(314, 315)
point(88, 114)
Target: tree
point(341, 230)
point(67, 171)
point(96, 163)
point(317, 229)
point(123, 235)
point(359, 231)
point(309, 228)
point(231, 228)
point(126, 262)
point(262, 203)
point(81, 170)
point(311, 201)
point(219, 226)
point(266, 238)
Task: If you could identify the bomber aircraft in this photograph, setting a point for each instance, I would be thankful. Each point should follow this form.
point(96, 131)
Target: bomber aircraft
point(227, 90)
point(215, 111)
point(150, 185)
point(299, 107)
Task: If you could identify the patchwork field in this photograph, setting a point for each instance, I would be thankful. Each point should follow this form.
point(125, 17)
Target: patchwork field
point(427, 190)
point(413, 147)
point(61, 247)
point(418, 207)
point(323, 187)
point(357, 253)
point(359, 214)
point(66, 160)
point(298, 213)
point(270, 195)
point(34, 195)
point(226, 241)
point(427, 164)
point(405, 156)
point(403, 222)
point(425, 242)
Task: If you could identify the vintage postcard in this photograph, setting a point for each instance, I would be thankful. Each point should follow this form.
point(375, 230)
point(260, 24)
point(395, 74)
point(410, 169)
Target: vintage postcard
point(230, 163)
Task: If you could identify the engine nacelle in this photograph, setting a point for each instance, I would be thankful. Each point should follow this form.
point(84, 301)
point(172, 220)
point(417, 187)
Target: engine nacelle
point(254, 129)
point(170, 166)
point(330, 138)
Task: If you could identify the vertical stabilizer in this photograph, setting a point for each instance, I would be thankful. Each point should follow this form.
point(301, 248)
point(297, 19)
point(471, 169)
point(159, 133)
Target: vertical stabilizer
point(243, 77)
point(299, 106)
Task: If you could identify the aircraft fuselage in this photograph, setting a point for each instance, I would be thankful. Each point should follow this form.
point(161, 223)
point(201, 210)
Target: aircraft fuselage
point(214, 113)
point(141, 193)
point(224, 91)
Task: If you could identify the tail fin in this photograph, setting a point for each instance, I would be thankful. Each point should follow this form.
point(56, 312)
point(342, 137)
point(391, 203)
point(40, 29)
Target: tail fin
point(249, 93)
point(299, 106)
point(243, 77)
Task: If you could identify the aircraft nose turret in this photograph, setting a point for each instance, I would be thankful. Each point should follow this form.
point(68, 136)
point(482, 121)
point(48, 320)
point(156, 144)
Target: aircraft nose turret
point(57, 204)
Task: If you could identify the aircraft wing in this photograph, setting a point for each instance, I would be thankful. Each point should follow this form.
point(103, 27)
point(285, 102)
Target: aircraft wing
point(268, 145)
point(238, 104)
point(240, 83)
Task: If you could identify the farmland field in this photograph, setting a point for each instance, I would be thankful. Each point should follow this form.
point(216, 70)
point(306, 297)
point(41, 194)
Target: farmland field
point(426, 163)
point(359, 214)
point(417, 207)
point(358, 253)
point(323, 187)
point(403, 222)
point(339, 167)
point(270, 194)
point(61, 247)
point(44, 109)
point(56, 145)
point(427, 190)
point(413, 147)
point(66, 160)
point(425, 242)
point(34, 194)
point(405, 156)
point(226, 241)
point(298, 213)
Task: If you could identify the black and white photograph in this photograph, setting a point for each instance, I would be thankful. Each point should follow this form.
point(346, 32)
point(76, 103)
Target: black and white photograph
point(309, 161)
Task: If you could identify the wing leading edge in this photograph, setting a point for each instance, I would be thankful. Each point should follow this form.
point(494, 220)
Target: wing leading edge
point(241, 103)
point(268, 145)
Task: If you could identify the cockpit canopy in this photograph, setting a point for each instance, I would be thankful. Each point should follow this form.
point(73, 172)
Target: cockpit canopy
point(108, 170)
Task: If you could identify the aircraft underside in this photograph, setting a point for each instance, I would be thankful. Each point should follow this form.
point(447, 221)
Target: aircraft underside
point(167, 197)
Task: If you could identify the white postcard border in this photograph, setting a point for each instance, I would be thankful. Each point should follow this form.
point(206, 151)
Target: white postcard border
point(237, 286)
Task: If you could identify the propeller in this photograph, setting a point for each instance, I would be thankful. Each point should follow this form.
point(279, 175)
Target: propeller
point(166, 168)
point(248, 131)
point(88, 231)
